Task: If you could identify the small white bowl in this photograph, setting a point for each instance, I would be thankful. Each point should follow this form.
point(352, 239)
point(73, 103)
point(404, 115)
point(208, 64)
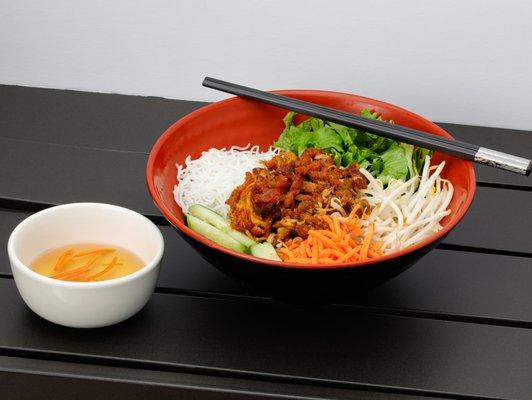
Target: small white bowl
point(85, 304)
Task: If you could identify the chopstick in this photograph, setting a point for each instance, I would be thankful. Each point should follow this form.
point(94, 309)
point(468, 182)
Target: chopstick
point(456, 148)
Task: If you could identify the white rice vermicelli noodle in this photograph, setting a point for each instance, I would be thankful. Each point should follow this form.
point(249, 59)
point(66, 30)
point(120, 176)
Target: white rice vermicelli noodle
point(210, 179)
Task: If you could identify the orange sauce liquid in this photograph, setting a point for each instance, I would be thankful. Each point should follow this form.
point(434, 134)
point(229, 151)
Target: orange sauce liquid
point(86, 262)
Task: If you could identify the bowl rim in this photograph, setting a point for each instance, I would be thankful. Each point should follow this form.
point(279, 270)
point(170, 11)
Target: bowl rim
point(28, 272)
point(181, 226)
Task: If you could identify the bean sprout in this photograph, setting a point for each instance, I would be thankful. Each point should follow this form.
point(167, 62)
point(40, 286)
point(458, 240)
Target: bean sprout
point(406, 212)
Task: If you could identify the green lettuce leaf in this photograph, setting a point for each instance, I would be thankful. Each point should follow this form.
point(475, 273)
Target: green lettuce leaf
point(289, 119)
point(288, 138)
point(418, 158)
point(409, 156)
point(344, 133)
point(394, 164)
point(327, 138)
point(311, 124)
point(384, 158)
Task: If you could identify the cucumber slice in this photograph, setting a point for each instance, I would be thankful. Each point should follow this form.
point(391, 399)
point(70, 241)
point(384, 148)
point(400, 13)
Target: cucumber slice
point(216, 220)
point(209, 216)
point(264, 250)
point(241, 237)
point(214, 234)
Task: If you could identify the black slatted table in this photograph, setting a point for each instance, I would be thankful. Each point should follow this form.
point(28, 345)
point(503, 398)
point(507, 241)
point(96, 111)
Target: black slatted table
point(456, 325)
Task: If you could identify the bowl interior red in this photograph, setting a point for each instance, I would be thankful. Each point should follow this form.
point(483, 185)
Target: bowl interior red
point(238, 121)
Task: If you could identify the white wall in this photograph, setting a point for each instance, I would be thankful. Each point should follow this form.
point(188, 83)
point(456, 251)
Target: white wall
point(455, 61)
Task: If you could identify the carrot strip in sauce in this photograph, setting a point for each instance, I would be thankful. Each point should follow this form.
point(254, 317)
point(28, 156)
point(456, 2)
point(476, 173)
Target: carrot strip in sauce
point(110, 266)
point(63, 259)
point(69, 275)
point(116, 265)
point(102, 250)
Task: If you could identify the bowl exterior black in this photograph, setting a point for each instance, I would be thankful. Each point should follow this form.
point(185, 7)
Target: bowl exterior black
point(308, 284)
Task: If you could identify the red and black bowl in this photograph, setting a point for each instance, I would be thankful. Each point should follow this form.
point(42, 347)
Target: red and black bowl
point(238, 121)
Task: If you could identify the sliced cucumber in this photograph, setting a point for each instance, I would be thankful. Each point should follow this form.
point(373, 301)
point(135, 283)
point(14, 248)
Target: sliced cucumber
point(209, 216)
point(215, 234)
point(216, 220)
point(216, 228)
point(241, 237)
point(264, 250)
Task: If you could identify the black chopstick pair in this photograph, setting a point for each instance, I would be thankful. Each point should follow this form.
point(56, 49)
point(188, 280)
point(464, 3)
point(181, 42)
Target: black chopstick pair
point(455, 148)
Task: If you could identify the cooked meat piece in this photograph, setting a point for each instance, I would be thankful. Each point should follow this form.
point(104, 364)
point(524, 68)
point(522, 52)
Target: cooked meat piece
point(297, 183)
point(287, 197)
point(309, 187)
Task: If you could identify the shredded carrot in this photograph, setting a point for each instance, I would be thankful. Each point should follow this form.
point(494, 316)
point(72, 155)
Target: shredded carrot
point(329, 234)
point(366, 242)
point(352, 242)
point(116, 264)
point(336, 225)
point(349, 254)
point(336, 253)
point(315, 250)
point(354, 226)
point(373, 253)
point(327, 241)
point(326, 252)
point(344, 245)
point(287, 252)
point(109, 267)
point(300, 260)
point(378, 245)
point(90, 252)
point(329, 221)
point(327, 260)
point(353, 212)
point(320, 247)
point(63, 259)
point(69, 275)
point(344, 241)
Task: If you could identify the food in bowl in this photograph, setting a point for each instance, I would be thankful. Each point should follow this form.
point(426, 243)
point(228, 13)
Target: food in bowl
point(86, 262)
point(75, 301)
point(239, 121)
point(322, 194)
